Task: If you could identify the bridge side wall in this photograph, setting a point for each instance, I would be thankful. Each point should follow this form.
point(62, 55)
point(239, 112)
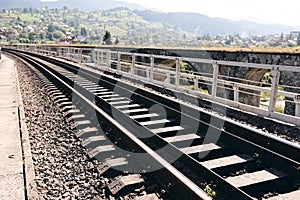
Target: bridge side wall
point(286, 78)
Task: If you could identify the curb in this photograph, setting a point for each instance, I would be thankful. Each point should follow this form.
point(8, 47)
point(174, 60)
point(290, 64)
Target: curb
point(28, 167)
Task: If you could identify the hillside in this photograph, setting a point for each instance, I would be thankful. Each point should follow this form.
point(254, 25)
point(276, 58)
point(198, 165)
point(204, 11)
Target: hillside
point(30, 25)
point(134, 27)
point(191, 22)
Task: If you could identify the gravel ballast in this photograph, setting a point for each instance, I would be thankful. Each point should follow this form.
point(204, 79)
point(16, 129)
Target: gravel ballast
point(62, 167)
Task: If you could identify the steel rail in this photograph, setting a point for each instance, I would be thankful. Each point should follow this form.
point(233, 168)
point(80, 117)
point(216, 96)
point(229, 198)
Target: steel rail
point(190, 187)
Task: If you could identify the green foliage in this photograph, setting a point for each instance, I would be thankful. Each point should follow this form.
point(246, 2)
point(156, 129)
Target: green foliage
point(186, 68)
point(210, 191)
point(267, 78)
point(265, 96)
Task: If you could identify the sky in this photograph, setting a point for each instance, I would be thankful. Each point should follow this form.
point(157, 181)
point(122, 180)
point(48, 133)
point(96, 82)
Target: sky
point(285, 12)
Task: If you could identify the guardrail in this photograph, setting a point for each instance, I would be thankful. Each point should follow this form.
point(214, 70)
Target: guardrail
point(201, 77)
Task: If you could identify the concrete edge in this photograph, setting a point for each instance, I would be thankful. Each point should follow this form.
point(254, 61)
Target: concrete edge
point(29, 173)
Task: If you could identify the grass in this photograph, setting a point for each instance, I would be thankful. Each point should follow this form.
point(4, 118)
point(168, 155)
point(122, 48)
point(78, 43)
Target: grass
point(203, 91)
point(265, 96)
point(279, 108)
point(257, 49)
point(210, 191)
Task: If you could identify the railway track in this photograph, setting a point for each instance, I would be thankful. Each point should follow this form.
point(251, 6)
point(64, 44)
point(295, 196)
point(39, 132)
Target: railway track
point(141, 137)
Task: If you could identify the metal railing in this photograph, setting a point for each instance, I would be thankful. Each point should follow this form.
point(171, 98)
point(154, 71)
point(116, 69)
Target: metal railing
point(209, 79)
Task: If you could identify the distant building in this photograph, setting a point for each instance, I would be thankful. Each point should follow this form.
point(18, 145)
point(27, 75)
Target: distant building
point(294, 34)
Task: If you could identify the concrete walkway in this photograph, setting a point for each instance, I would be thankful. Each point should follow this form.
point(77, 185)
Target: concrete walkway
point(11, 162)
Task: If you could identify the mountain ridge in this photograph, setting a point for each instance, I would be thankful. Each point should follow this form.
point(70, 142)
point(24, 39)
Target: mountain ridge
point(79, 4)
point(190, 21)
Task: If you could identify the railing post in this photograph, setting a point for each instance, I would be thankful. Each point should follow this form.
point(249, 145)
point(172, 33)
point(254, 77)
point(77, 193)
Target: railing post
point(168, 78)
point(133, 64)
point(68, 53)
point(151, 67)
point(297, 105)
point(236, 93)
point(148, 73)
point(108, 57)
point(80, 55)
point(215, 80)
point(75, 54)
point(119, 62)
point(274, 90)
point(94, 57)
point(196, 83)
point(177, 78)
point(101, 59)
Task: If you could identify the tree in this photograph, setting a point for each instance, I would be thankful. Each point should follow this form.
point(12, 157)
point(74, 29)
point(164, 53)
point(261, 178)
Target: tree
point(25, 10)
point(31, 36)
point(298, 39)
point(50, 28)
point(107, 38)
point(83, 31)
point(42, 36)
point(281, 37)
point(50, 36)
point(117, 41)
